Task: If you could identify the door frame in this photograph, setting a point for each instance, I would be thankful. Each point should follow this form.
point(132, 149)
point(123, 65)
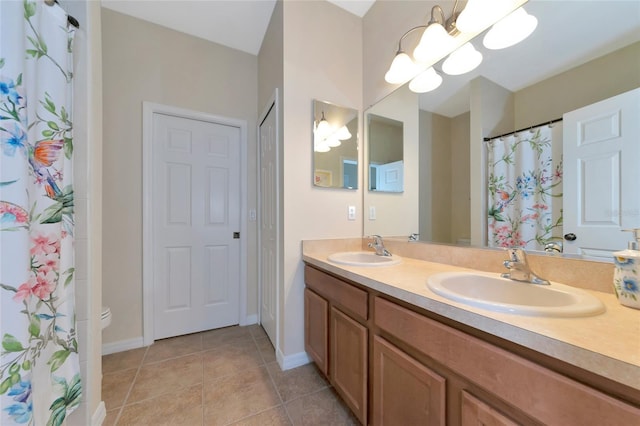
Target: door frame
point(272, 104)
point(148, 111)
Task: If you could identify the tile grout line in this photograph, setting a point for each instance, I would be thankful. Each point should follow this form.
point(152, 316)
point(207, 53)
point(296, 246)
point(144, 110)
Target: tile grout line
point(126, 397)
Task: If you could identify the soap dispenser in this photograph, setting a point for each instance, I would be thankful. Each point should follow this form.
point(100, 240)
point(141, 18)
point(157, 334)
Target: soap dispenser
point(626, 276)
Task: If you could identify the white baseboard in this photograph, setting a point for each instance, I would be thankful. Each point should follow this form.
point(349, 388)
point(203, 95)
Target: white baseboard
point(99, 415)
point(250, 320)
point(292, 361)
point(122, 345)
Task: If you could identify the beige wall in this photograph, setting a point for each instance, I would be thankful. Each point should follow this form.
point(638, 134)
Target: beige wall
point(444, 181)
point(146, 62)
point(435, 177)
point(460, 190)
point(318, 64)
point(599, 79)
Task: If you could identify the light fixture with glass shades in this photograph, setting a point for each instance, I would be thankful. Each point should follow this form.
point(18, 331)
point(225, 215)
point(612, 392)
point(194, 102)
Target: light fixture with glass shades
point(326, 136)
point(466, 58)
point(510, 30)
point(452, 36)
point(426, 81)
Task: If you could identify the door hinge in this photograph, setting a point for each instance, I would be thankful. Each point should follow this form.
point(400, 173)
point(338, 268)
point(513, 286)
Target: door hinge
point(236, 235)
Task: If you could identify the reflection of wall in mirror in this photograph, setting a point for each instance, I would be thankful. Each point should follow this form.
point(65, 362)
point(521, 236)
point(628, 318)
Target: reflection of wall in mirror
point(444, 183)
point(385, 139)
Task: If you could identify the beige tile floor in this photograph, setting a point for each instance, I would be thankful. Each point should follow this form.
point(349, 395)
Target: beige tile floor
point(221, 377)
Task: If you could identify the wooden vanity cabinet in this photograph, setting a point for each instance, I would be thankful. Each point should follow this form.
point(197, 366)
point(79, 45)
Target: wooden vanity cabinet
point(336, 336)
point(514, 389)
point(432, 371)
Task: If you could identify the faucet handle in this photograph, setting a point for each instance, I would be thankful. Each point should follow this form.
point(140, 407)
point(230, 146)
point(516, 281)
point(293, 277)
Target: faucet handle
point(377, 239)
point(517, 255)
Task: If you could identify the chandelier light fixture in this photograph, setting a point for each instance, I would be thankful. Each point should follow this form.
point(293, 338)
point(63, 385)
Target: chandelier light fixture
point(443, 36)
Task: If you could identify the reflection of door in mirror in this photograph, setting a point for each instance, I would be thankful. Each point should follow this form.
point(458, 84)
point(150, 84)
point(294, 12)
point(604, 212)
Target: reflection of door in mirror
point(335, 141)
point(602, 182)
point(386, 166)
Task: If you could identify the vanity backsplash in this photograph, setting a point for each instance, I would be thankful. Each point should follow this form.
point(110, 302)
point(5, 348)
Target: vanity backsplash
point(584, 274)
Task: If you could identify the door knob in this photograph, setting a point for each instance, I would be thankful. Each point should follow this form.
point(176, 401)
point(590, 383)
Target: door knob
point(570, 236)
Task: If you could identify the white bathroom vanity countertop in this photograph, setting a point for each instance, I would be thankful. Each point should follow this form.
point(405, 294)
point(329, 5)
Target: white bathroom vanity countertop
point(607, 344)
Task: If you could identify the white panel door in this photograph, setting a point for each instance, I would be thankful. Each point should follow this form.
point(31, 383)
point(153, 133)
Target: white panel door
point(390, 177)
point(601, 175)
point(196, 210)
point(269, 224)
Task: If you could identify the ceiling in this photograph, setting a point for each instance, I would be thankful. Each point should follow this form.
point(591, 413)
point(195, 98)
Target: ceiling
point(239, 24)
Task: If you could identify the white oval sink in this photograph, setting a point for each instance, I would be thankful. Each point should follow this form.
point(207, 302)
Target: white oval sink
point(492, 292)
point(363, 258)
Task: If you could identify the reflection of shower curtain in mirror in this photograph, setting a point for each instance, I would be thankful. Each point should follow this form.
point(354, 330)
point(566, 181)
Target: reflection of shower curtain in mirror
point(524, 173)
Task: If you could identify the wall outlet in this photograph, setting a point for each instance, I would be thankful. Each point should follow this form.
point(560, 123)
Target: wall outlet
point(252, 215)
point(351, 215)
point(372, 213)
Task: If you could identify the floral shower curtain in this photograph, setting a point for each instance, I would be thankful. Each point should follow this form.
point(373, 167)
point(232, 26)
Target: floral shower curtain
point(39, 366)
point(525, 188)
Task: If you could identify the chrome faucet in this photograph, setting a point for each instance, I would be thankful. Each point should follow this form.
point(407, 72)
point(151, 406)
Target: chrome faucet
point(378, 245)
point(553, 247)
point(519, 269)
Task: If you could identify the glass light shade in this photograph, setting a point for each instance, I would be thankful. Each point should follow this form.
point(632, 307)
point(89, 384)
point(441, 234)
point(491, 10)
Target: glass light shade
point(332, 141)
point(320, 146)
point(463, 60)
point(426, 81)
point(343, 133)
point(510, 30)
point(480, 14)
point(434, 44)
point(401, 70)
point(323, 130)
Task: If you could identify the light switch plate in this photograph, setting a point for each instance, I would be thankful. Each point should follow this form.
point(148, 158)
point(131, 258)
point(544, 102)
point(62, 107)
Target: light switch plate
point(351, 215)
point(372, 213)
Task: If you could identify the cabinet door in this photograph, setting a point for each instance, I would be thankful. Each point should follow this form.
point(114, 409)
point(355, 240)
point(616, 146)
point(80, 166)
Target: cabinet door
point(478, 413)
point(349, 362)
point(405, 392)
point(316, 327)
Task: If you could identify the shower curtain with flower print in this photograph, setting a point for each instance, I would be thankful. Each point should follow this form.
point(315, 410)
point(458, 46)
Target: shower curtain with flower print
point(525, 188)
point(39, 366)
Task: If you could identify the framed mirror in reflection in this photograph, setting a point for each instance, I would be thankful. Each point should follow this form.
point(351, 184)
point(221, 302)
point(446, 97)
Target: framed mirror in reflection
point(567, 64)
point(386, 161)
point(335, 146)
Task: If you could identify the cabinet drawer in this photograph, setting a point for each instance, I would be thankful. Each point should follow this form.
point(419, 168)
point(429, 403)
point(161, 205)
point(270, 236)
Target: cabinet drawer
point(537, 391)
point(338, 292)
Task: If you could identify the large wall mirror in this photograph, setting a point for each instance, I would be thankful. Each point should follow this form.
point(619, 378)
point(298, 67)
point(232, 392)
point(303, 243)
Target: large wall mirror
point(335, 146)
point(571, 61)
